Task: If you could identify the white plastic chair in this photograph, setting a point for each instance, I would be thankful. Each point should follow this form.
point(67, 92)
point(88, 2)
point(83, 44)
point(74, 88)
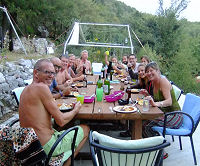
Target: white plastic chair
point(97, 68)
point(17, 93)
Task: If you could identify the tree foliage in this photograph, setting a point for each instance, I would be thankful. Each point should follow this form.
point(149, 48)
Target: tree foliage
point(172, 42)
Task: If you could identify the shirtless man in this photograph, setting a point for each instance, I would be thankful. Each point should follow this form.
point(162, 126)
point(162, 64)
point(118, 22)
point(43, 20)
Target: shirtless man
point(58, 90)
point(69, 62)
point(85, 62)
point(63, 77)
point(37, 107)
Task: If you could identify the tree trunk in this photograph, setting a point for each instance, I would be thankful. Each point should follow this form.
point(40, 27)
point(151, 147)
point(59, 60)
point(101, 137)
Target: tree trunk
point(10, 38)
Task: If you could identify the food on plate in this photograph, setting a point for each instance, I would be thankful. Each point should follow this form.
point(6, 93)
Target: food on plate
point(79, 84)
point(127, 108)
point(74, 93)
point(64, 106)
point(119, 76)
point(140, 101)
point(135, 90)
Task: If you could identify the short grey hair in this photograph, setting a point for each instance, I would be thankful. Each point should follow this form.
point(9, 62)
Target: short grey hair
point(84, 51)
point(40, 62)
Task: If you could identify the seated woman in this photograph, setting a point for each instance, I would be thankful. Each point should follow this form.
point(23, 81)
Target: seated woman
point(145, 59)
point(164, 98)
point(146, 87)
point(143, 82)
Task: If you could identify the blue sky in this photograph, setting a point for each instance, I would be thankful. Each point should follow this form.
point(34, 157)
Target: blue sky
point(191, 13)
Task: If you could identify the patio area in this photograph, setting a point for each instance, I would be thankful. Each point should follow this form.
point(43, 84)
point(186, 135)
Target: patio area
point(176, 156)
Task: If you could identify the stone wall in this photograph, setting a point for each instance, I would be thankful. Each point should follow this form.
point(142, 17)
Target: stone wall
point(12, 75)
point(34, 45)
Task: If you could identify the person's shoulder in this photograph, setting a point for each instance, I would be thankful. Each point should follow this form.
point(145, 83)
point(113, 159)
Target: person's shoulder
point(164, 81)
point(39, 85)
point(88, 61)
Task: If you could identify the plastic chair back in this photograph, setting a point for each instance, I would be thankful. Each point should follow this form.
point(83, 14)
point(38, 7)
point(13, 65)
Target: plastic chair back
point(17, 93)
point(108, 151)
point(177, 91)
point(192, 107)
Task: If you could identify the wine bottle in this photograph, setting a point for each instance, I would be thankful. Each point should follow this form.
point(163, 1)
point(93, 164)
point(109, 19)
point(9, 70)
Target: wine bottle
point(103, 72)
point(99, 82)
point(111, 74)
point(84, 69)
point(106, 86)
point(128, 91)
point(85, 81)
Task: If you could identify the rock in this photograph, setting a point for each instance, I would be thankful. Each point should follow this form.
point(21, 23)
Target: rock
point(4, 87)
point(40, 45)
point(25, 63)
point(1, 104)
point(2, 79)
point(20, 82)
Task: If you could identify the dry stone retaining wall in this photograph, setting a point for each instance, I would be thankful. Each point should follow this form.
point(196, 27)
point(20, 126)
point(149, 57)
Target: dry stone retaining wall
point(12, 75)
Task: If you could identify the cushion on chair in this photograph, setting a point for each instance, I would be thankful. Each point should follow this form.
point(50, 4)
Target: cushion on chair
point(192, 107)
point(127, 144)
point(113, 159)
point(180, 131)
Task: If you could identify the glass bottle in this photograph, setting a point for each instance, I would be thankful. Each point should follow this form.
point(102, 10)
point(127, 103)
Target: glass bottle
point(103, 72)
point(106, 86)
point(99, 82)
point(85, 81)
point(111, 74)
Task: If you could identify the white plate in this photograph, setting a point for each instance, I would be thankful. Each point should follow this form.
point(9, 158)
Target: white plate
point(125, 109)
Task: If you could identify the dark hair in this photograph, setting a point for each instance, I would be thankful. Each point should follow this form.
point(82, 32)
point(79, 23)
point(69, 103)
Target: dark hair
point(64, 56)
point(132, 55)
point(145, 57)
point(40, 62)
point(153, 65)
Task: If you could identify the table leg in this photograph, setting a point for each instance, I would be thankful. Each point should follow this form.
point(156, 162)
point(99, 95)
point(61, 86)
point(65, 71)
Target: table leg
point(136, 129)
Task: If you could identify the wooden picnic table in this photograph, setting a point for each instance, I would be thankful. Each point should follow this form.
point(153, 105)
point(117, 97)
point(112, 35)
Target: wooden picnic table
point(102, 110)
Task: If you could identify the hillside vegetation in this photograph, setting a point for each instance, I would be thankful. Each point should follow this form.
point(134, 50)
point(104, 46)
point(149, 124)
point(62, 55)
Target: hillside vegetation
point(173, 43)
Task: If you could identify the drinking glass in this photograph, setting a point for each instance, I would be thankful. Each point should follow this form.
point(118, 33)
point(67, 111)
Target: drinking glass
point(145, 105)
point(99, 93)
point(80, 98)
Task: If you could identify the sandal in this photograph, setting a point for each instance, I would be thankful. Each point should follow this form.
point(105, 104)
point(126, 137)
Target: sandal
point(165, 155)
point(126, 133)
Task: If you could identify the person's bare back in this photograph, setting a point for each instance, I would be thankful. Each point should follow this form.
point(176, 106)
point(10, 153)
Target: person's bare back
point(36, 116)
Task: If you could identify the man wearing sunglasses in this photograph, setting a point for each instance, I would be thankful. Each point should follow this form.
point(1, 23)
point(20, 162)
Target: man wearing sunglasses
point(37, 107)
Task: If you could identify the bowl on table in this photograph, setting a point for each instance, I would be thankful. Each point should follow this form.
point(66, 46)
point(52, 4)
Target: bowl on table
point(115, 96)
point(88, 99)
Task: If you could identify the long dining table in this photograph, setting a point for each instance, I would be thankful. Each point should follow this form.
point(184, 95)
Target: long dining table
point(103, 110)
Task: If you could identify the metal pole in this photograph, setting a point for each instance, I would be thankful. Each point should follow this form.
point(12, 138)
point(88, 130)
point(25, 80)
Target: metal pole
point(130, 39)
point(117, 25)
point(65, 45)
point(5, 10)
